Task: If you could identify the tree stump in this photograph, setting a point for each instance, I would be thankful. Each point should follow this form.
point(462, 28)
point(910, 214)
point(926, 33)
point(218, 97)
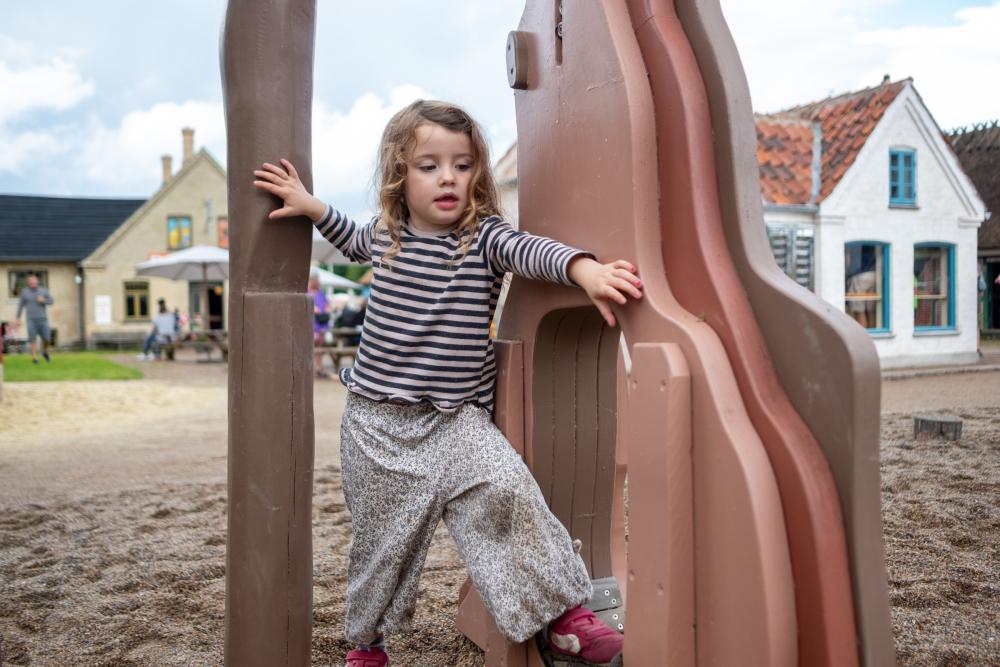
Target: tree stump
point(931, 426)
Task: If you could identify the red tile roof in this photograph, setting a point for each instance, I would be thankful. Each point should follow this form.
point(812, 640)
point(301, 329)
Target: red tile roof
point(785, 142)
point(785, 155)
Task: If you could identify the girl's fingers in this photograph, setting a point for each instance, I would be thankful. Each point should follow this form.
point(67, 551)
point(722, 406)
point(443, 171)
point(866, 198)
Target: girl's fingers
point(283, 212)
point(627, 275)
point(273, 189)
point(267, 175)
point(610, 292)
point(276, 169)
point(605, 311)
point(622, 264)
point(290, 167)
point(627, 287)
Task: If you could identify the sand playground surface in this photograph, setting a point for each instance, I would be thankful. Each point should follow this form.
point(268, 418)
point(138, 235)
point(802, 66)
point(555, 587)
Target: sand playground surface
point(113, 516)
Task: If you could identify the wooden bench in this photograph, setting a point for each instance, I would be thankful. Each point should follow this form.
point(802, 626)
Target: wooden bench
point(337, 353)
point(202, 346)
point(119, 340)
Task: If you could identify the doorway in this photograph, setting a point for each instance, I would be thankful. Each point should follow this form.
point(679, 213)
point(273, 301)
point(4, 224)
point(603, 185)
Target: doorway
point(216, 301)
point(991, 299)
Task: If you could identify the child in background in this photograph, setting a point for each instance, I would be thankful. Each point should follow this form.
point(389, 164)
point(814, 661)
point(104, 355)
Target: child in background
point(417, 441)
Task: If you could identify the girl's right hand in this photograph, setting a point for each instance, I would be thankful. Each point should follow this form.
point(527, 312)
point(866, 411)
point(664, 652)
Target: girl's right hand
point(287, 186)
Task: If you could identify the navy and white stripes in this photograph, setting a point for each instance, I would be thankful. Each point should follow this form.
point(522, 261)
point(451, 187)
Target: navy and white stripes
point(426, 335)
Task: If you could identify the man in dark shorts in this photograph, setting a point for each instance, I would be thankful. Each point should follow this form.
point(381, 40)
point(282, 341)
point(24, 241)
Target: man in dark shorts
point(34, 300)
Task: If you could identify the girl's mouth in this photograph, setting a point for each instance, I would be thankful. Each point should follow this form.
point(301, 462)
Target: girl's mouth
point(446, 202)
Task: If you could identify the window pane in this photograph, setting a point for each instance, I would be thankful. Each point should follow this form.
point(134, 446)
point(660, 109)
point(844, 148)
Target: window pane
point(143, 305)
point(129, 306)
point(931, 292)
point(173, 234)
point(863, 284)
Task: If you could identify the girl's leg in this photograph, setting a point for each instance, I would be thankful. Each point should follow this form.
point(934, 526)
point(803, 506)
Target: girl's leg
point(520, 557)
point(391, 488)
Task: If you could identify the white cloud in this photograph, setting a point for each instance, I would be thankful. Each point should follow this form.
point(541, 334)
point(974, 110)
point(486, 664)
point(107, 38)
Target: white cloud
point(55, 85)
point(127, 158)
point(29, 86)
point(344, 144)
point(796, 52)
point(21, 148)
point(954, 67)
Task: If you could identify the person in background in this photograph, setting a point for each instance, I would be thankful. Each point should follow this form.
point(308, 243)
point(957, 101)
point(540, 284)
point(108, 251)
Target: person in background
point(353, 315)
point(164, 330)
point(34, 300)
point(321, 321)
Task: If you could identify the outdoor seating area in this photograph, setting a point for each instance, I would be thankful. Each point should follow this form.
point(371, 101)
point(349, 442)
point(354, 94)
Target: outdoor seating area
point(343, 346)
point(214, 341)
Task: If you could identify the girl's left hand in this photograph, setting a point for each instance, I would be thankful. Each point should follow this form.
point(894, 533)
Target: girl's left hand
point(606, 282)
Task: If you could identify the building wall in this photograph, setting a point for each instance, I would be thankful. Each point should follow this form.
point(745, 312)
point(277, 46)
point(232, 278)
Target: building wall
point(113, 264)
point(63, 313)
point(508, 200)
point(947, 211)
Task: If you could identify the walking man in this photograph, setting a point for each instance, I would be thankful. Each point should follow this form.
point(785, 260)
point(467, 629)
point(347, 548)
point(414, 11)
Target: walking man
point(34, 300)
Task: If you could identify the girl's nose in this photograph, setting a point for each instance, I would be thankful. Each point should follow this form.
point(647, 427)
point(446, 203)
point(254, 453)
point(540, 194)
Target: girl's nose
point(447, 175)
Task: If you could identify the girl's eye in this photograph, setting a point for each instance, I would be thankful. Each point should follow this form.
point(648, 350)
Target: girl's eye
point(463, 167)
point(426, 167)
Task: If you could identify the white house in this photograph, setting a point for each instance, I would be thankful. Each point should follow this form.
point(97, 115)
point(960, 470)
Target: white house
point(867, 204)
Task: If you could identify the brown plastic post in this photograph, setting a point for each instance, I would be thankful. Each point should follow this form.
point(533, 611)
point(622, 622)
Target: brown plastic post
point(826, 363)
point(704, 280)
point(267, 86)
point(660, 533)
point(587, 175)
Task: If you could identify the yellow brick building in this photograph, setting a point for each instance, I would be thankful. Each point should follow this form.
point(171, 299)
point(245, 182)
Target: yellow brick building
point(85, 252)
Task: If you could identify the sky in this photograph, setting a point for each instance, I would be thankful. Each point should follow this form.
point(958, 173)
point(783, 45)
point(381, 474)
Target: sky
point(93, 93)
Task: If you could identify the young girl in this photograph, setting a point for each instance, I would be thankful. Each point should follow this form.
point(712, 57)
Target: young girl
point(417, 441)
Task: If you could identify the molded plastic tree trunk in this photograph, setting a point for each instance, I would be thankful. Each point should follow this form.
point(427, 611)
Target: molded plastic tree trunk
point(267, 57)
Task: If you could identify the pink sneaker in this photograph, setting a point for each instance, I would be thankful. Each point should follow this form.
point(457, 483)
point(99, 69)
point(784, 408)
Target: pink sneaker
point(373, 657)
point(581, 635)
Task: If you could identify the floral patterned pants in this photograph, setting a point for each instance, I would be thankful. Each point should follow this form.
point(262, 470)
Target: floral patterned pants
point(406, 467)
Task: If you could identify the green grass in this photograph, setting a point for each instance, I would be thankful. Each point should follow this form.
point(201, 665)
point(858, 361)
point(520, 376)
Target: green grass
point(66, 366)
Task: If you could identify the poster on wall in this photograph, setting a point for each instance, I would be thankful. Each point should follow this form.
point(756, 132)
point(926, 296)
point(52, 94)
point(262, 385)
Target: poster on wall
point(223, 232)
point(102, 309)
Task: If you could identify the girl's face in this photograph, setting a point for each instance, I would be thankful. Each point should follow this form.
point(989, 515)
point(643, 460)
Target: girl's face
point(438, 175)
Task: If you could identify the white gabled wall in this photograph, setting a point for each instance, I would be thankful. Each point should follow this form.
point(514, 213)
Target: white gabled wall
point(947, 211)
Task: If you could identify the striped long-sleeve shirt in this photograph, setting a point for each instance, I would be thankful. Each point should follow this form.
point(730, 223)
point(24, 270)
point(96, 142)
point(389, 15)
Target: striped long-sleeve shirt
point(426, 335)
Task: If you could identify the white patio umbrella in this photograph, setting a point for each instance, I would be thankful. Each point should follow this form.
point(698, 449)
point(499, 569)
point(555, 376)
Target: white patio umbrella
point(331, 279)
point(326, 252)
point(200, 262)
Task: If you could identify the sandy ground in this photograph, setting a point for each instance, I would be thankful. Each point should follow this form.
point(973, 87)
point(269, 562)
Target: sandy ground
point(112, 526)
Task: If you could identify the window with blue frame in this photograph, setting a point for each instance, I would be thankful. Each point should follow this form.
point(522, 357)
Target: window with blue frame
point(178, 232)
point(902, 177)
point(933, 286)
point(866, 284)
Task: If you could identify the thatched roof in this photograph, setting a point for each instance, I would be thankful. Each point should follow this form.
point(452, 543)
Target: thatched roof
point(978, 149)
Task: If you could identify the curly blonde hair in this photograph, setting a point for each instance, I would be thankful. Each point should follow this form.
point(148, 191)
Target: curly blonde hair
point(398, 142)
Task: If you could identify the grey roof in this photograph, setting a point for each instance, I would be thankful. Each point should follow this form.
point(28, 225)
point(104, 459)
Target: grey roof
point(36, 228)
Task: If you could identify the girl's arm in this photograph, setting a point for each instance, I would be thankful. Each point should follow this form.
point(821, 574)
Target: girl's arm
point(541, 258)
point(352, 239)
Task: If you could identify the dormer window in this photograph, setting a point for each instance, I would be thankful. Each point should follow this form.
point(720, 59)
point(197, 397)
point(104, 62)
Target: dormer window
point(902, 177)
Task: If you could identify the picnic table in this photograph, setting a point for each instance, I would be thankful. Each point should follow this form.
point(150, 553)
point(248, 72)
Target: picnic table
point(213, 340)
point(341, 347)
